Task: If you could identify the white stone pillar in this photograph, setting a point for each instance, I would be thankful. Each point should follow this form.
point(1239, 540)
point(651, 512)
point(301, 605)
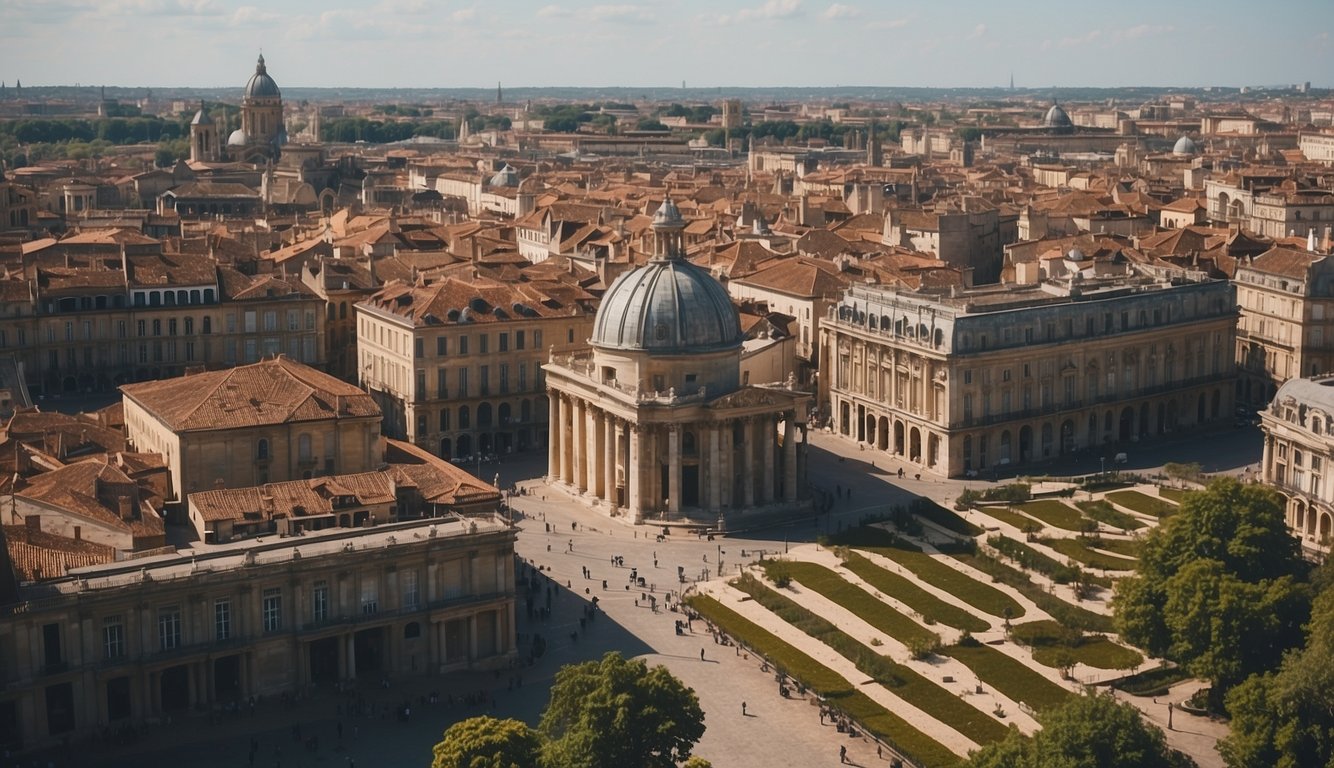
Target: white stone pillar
point(728, 479)
point(553, 441)
point(592, 457)
point(769, 430)
point(748, 463)
point(580, 445)
point(563, 430)
point(674, 470)
point(789, 457)
point(609, 454)
point(633, 474)
point(714, 466)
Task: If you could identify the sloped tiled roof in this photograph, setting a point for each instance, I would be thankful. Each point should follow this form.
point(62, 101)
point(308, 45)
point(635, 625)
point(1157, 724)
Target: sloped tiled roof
point(274, 391)
point(38, 555)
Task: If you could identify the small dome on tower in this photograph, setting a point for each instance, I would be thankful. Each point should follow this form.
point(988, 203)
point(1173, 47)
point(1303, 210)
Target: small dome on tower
point(1074, 254)
point(202, 117)
point(505, 177)
point(668, 215)
point(261, 86)
point(238, 138)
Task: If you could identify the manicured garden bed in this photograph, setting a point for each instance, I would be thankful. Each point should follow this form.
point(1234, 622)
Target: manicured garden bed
point(1055, 513)
point(1030, 558)
point(1069, 614)
point(1081, 552)
point(828, 684)
point(1056, 646)
point(1008, 515)
point(856, 600)
point(1142, 503)
point(905, 682)
point(1175, 494)
point(1124, 547)
point(1106, 513)
point(904, 590)
point(945, 518)
point(1152, 682)
point(1009, 676)
point(982, 596)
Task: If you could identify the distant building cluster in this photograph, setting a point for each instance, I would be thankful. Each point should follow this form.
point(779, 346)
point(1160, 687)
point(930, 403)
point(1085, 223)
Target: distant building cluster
point(308, 344)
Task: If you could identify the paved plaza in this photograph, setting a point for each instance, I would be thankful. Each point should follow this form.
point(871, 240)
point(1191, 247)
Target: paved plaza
point(562, 538)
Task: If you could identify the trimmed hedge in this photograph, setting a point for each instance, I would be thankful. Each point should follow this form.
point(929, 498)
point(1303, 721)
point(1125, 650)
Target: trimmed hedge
point(1152, 682)
point(1050, 642)
point(945, 518)
point(1081, 552)
point(1067, 613)
point(1056, 513)
point(828, 684)
point(1034, 560)
point(1106, 513)
point(1008, 515)
point(1142, 503)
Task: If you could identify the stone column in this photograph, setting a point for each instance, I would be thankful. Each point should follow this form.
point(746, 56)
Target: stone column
point(634, 468)
point(748, 463)
point(593, 461)
point(561, 433)
point(714, 465)
point(674, 470)
point(727, 464)
point(789, 457)
point(351, 656)
point(609, 453)
point(1264, 462)
point(553, 443)
point(767, 426)
point(580, 446)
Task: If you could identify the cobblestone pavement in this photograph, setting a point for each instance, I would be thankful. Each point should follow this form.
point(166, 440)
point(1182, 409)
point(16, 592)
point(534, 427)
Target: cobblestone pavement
point(774, 731)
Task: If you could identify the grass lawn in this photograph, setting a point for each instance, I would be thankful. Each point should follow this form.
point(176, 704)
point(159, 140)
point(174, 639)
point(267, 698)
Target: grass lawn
point(1033, 560)
point(903, 681)
point(1106, 513)
point(858, 601)
point(1069, 614)
point(1082, 553)
point(824, 681)
point(1008, 515)
point(983, 597)
point(1142, 503)
point(1053, 512)
point(1009, 676)
point(1050, 642)
point(1124, 547)
point(1175, 494)
point(904, 590)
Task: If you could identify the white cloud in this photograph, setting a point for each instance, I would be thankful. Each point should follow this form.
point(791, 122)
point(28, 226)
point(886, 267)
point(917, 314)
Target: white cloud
point(978, 31)
point(622, 13)
point(248, 15)
point(553, 12)
point(1143, 30)
point(841, 11)
point(1085, 39)
point(888, 24)
point(463, 15)
point(770, 10)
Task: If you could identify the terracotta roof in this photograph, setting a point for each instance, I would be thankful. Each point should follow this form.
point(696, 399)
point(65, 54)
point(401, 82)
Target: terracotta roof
point(38, 555)
point(92, 489)
point(801, 276)
point(295, 498)
point(1285, 261)
point(274, 391)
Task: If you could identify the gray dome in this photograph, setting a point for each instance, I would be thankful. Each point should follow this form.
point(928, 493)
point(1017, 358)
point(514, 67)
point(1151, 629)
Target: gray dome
point(1074, 254)
point(1185, 146)
point(669, 306)
point(1057, 118)
point(261, 86)
point(505, 177)
point(238, 138)
point(668, 215)
point(202, 117)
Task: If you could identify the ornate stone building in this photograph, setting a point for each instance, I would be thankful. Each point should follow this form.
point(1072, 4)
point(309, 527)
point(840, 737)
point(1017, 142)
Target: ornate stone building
point(653, 421)
point(261, 135)
point(1299, 448)
point(1020, 375)
point(1286, 328)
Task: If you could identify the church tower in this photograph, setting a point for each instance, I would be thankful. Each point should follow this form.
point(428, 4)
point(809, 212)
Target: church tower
point(203, 137)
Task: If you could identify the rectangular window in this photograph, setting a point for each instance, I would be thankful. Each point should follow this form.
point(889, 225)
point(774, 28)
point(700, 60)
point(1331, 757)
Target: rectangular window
point(463, 383)
point(293, 320)
point(420, 392)
point(370, 596)
point(442, 382)
point(411, 597)
point(483, 343)
point(113, 637)
point(273, 609)
point(537, 339)
point(320, 601)
point(418, 348)
point(463, 345)
point(485, 382)
point(504, 378)
point(441, 346)
point(222, 620)
point(142, 327)
point(270, 320)
point(523, 377)
point(310, 319)
point(518, 339)
point(171, 327)
point(504, 341)
point(168, 628)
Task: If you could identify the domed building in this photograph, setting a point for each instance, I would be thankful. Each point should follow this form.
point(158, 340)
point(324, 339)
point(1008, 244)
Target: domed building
point(653, 420)
point(262, 133)
point(1057, 119)
point(1185, 147)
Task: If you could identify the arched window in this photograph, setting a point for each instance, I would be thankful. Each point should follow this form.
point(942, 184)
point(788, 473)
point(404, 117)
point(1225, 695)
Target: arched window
point(444, 420)
point(303, 447)
point(262, 448)
point(463, 417)
point(484, 415)
point(208, 325)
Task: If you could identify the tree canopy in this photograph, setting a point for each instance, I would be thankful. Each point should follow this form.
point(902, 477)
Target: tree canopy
point(486, 742)
point(1221, 586)
point(1286, 719)
point(618, 711)
point(1087, 732)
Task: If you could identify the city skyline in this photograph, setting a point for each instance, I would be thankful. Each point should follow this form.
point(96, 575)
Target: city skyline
point(736, 43)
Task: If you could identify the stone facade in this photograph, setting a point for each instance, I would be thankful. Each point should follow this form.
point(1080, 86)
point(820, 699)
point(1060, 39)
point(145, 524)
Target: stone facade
point(129, 643)
point(1299, 445)
point(1286, 296)
point(1020, 375)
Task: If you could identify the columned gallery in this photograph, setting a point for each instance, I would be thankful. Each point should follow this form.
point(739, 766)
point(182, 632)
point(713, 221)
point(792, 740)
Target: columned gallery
point(652, 421)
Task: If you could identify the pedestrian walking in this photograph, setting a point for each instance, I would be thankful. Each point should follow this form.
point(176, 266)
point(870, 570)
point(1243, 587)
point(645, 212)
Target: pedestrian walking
point(701, 654)
point(842, 754)
point(743, 709)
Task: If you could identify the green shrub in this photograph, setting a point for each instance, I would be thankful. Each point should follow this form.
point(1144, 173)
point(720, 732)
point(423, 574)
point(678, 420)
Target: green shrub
point(1015, 493)
point(932, 608)
point(1066, 613)
point(1105, 513)
point(1081, 552)
point(1034, 560)
point(1142, 503)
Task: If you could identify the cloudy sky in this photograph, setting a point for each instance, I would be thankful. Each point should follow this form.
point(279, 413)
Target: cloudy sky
point(462, 43)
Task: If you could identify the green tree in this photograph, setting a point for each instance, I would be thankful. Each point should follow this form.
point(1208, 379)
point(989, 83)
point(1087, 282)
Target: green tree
point(1087, 732)
point(1286, 719)
point(1220, 587)
point(487, 742)
point(620, 712)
